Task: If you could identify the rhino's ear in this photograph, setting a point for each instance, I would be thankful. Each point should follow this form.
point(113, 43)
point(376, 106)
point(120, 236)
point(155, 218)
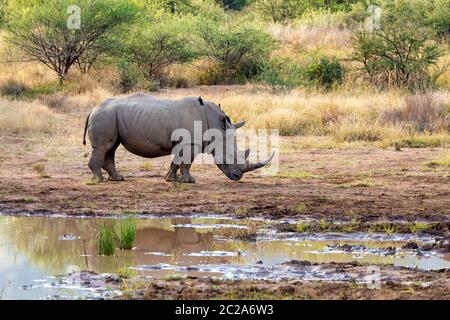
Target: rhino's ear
point(220, 107)
point(200, 100)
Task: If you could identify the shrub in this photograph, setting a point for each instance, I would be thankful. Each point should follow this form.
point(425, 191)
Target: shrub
point(421, 112)
point(236, 48)
point(232, 4)
point(13, 88)
point(281, 73)
point(325, 72)
point(400, 52)
point(129, 76)
point(438, 16)
point(166, 41)
point(281, 10)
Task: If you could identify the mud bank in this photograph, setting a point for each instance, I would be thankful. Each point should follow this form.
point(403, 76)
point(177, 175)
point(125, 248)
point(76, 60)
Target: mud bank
point(400, 284)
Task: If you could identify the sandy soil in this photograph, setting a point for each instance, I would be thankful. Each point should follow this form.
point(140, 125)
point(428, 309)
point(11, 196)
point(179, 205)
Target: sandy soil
point(370, 183)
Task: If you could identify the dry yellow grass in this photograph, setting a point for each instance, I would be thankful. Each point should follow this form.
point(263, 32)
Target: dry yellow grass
point(298, 39)
point(17, 117)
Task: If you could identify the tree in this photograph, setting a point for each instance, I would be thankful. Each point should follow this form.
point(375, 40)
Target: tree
point(158, 45)
point(401, 51)
point(232, 4)
point(238, 47)
point(280, 10)
point(61, 33)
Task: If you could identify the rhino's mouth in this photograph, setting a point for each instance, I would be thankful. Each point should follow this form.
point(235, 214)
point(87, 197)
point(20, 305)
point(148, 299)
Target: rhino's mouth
point(234, 176)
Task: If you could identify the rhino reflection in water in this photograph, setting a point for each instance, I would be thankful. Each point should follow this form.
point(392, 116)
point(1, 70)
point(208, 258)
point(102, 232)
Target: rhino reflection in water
point(145, 125)
point(180, 240)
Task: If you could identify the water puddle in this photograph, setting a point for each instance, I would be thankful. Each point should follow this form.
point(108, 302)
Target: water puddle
point(45, 257)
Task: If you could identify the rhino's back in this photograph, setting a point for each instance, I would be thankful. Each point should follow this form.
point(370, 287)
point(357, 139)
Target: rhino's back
point(145, 124)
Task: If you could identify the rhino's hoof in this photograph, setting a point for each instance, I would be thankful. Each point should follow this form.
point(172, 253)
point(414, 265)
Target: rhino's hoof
point(188, 179)
point(171, 178)
point(116, 178)
point(97, 179)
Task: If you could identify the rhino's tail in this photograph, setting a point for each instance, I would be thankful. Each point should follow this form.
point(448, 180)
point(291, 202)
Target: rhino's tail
point(85, 129)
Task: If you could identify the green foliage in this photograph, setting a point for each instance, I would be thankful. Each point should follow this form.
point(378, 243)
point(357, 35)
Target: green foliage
point(326, 72)
point(106, 241)
point(129, 76)
point(438, 16)
point(125, 233)
point(400, 52)
point(281, 10)
point(166, 41)
point(238, 48)
point(281, 73)
point(232, 4)
point(3, 4)
point(40, 29)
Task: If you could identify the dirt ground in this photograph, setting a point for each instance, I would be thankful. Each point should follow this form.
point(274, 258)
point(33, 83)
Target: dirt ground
point(367, 182)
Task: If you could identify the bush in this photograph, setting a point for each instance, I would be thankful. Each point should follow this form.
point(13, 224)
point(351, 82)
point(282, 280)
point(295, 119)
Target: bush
point(439, 17)
point(236, 49)
point(326, 73)
point(281, 10)
point(13, 88)
point(166, 41)
point(129, 76)
point(281, 73)
point(232, 4)
point(400, 52)
point(421, 113)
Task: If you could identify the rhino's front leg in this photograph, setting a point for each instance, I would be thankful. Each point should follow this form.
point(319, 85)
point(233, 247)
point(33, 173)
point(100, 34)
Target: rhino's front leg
point(185, 175)
point(172, 176)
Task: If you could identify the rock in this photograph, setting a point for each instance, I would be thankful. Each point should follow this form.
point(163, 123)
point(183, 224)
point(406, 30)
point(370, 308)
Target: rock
point(411, 245)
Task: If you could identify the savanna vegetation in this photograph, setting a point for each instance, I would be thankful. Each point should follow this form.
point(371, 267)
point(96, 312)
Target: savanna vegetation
point(342, 69)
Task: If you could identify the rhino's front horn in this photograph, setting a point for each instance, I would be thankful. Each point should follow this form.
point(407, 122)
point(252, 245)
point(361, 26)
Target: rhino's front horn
point(238, 125)
point(253, 166)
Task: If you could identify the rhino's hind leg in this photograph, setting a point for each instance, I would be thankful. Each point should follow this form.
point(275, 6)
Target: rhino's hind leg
point(172, 176)
point(96, 162)
point(110, 166)
point(185, 174)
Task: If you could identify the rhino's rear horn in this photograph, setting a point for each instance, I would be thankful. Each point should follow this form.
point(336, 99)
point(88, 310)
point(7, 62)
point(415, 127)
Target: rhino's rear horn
point(238, 125)
point(200, 100)
point(253, 166)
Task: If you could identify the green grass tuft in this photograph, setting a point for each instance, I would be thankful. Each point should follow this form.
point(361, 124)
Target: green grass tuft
point(418, 227)
point(125, 233)
point(106, 241)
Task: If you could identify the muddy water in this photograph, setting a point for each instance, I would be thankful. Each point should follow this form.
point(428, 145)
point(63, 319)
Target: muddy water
point(37, 254)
